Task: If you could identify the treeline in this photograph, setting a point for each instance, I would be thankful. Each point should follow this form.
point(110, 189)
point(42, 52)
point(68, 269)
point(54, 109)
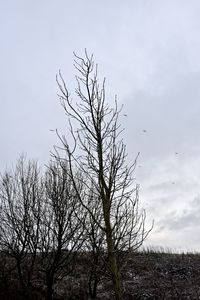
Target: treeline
point(43, 227)
point(85, 202)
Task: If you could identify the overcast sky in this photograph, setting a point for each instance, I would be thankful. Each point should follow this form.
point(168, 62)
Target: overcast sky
point(149, 52)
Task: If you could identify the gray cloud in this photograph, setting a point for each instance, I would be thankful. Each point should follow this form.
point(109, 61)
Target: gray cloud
point(187, 218)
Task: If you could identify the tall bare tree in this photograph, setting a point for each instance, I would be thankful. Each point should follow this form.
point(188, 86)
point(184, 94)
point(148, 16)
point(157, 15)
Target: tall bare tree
point(100, 154)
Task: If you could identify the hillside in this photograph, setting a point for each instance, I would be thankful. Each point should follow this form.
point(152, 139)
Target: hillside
point(147, 275)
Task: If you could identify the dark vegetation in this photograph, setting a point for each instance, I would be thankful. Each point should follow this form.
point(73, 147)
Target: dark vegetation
point(146, 275)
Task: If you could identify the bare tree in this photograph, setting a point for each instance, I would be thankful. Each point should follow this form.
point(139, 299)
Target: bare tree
point(41, 224)
point(20, 199)
point(61, 232)
point(100, 155)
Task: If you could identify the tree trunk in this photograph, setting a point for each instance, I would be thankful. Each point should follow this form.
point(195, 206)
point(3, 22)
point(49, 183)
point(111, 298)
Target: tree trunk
point(113, 261)
point(19, 269)
point(93, 282)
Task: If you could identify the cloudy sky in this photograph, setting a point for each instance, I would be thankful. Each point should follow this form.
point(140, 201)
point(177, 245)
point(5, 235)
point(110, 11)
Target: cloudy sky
point(149, 52)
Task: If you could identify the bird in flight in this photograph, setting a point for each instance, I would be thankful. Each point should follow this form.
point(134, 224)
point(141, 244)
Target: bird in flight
point(125, 115)
point(144, 130)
